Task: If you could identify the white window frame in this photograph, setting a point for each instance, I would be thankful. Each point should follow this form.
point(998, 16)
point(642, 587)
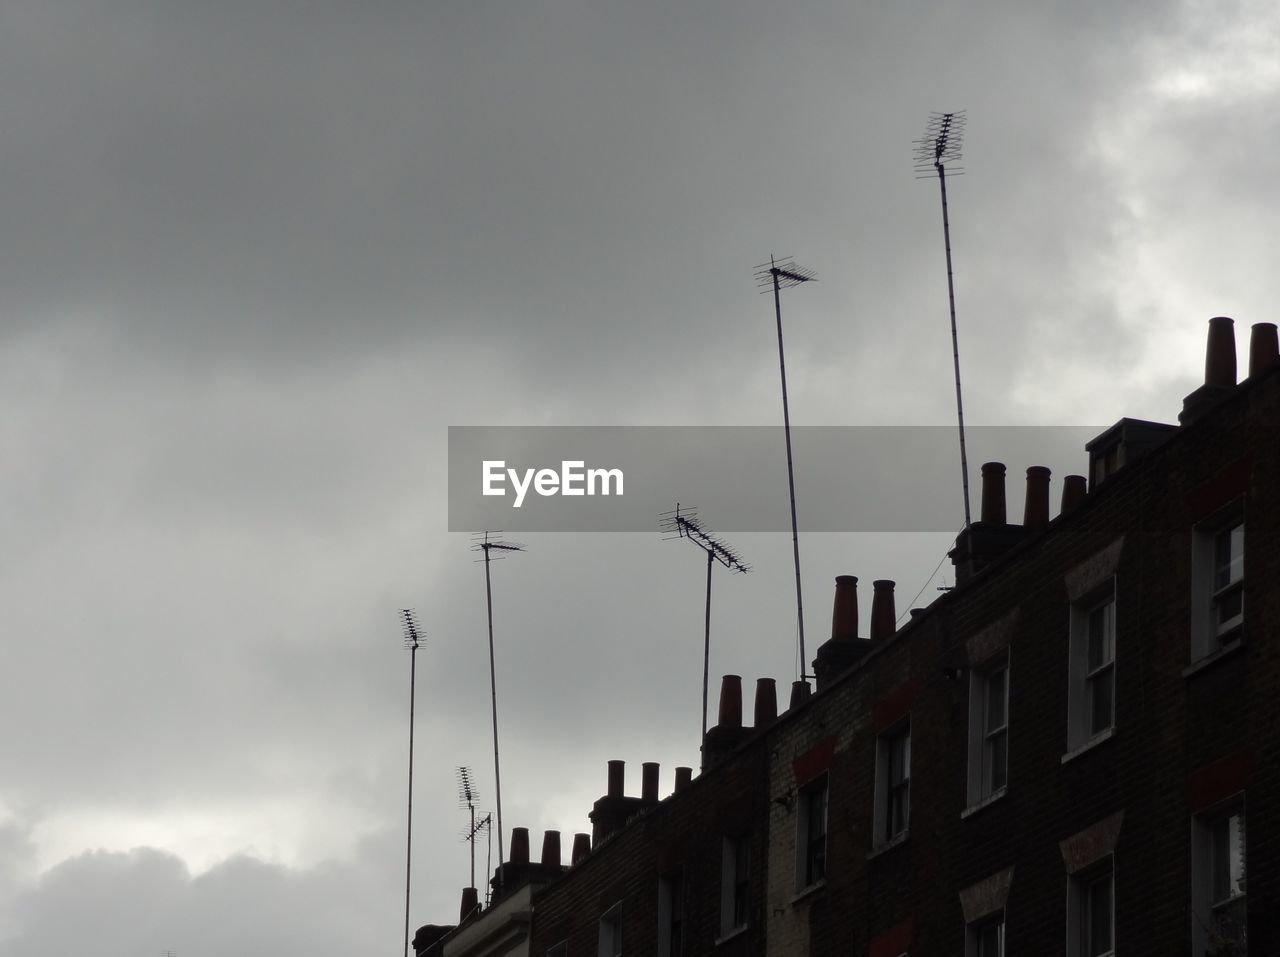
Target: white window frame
point(735, 883)
point(1218, 919)
point(887, 788)
point(1082, 917)
point(610, 937)
point(975, 931)
point(1215, 585)
point(671, 914)
point(1085, 676)
point(986, 736)
point(811, 799)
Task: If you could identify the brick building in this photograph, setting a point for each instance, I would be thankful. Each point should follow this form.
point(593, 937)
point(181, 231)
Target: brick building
point(1073, 752)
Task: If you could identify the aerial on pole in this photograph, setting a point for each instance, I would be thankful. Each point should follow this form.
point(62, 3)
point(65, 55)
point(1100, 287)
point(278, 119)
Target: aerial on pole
point(939, 146)
point(776, 275)
point(683, 523)
point(412, 640)
point(489, 542)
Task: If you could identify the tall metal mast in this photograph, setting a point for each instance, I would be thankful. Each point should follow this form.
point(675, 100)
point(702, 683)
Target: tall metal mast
point(684, 524)
point(488, 545)
point(778, 275)
point(941, 145)
point(411, 641)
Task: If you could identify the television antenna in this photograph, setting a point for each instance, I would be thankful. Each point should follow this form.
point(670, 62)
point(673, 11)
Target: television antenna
point(467, 797)
point(939, 146)
point(779, 274)
point(683, 523)
point(489, 542)
point(412, 640)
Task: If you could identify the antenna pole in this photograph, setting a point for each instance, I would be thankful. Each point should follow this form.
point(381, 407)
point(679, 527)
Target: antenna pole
point(955, 340)
point(791, 474)
point(706, 660)
point(940, 145)
point(412, 641)
point(777, 275)
point(493, 688)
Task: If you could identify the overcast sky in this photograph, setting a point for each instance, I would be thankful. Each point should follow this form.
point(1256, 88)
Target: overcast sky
point(258, 256)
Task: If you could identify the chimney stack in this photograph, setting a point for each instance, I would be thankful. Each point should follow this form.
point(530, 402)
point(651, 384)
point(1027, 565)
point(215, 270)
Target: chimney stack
point(1035, 512)
point(884, 619)
point(1074, 491)
point(839, 654)
point(1219, 371)
point(581, 848)
point(766, 709)
point(649, 781)
point(1264, 352)
point(612, 811)
point(728, 732)
point(993, 509)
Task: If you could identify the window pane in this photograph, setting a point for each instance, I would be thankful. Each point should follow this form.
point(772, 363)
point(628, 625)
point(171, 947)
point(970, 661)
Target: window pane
point(1228, 556)
point(991, 939)
point(1100, 697)
point(996, 699)
point(1102, 647)
point(1097, 913)
point(997, 755)
point(1227, 837)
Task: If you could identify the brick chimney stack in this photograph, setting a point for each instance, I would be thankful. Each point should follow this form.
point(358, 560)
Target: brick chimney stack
point(845, 647)
point(1219, 371)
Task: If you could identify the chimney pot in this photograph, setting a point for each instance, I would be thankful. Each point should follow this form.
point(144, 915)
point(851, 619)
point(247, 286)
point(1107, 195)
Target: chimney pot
point(470, 904)
point(684, 777)
point(800, 692)
point(766, 709)
point(844, 613)
point(993, 510)
point(551, 849)
point(519, 845)
point(1035, 513)
point(883, 616)
point(730, 701)
point(581, 847)
point(1220, 354)
point(649, 781)
point(617, 778)
point(1264, 351)
point(1074, 491)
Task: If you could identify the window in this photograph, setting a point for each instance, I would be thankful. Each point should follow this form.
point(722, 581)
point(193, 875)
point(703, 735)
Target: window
point(611, 932)
point(671, 915)
point(985, 938)
point(1092, 668)
point(1217, 604)
point(1091, 912)
point(988, 731)
point(811, 834)
point(559, 950)
point(1218, 882)
point(893, 784)
point(735, 883)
